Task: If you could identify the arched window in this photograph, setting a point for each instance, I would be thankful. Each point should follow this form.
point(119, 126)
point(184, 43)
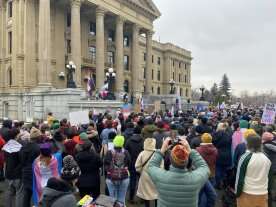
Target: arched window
point(158, 90)
point(126, 86)
point(9, 76)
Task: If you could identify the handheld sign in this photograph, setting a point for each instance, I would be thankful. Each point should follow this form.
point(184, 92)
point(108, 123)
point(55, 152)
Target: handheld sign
point(78, 117)
point(269, 114)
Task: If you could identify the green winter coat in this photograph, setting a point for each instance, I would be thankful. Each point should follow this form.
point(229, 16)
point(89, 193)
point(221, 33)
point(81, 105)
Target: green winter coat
point(178, 187)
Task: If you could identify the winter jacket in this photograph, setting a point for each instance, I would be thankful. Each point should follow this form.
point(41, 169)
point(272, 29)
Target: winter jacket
point(128, 133)
point(105, 133)
point(13, 159)
point(146, 189)
point(239, 151)
point(4, 131)
point(29, 153)
point(207, 196)
point(58, 193)
point(223, 142)
point(194, 141)
point(209, 153)
point(93, 136)
point(270, 151)
point(134, 146)
point(160, 135)
point(89, 163)
point(178, 187)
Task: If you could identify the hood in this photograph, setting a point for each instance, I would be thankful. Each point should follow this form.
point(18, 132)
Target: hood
point(55, 189)
point(136, 138)
point(149, 144)
point(208, 149)
point(12, 146)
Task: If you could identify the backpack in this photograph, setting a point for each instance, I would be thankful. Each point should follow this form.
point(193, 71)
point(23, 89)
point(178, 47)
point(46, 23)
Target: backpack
point(118, 171)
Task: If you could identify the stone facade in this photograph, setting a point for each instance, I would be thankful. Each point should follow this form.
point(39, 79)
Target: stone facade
point(39, 37)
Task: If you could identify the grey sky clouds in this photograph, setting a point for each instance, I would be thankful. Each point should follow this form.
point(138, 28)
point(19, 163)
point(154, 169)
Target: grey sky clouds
point(237, 37)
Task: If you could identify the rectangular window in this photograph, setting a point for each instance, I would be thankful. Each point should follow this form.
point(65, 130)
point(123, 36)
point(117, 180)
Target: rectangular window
point(110, 57)
point(10, 42)
point(145, 57)
point(158, 91)
point(185, 78)
point(152, 89)
point(152, 74)
point(152, 59)
point(173, 75)
point(145, 75)
point(185, 65)
point(158, 75)
point(126, 62)
point(173, 63)
point(68, 19)
point(68, 46)
point(92, 52)
point(159, 61)
point(179, 64)
point(111, 35)
point(126, 41)
point(179, 78)
point(92, 28)
point(10, 9)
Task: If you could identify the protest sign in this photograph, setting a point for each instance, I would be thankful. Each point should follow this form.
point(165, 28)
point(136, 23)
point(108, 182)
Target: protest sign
point(78, 117)
point(269, 114)
point(157, 106)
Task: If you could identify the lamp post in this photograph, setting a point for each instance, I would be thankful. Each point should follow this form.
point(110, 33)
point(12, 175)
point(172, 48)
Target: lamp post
point(172, 83)
point(110, 77)
point(202, 89)
point(71, 67)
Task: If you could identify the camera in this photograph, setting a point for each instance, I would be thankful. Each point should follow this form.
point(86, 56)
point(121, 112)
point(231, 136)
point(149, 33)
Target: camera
point(175, 141)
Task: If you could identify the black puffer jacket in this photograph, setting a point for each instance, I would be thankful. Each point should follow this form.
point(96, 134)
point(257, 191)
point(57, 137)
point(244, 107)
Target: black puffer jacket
point(29, 153)
point(4, 131)
point(223, 142)
point(270, 151)
point(134, 146)
point(89, 163)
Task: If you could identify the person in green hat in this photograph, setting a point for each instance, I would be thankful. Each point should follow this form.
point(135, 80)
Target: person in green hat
point(117, 163)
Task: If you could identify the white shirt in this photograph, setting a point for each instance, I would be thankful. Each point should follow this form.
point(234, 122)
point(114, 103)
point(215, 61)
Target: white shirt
point(256, 178)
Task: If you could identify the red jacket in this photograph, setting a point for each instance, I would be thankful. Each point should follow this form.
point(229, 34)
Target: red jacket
point(209, 153)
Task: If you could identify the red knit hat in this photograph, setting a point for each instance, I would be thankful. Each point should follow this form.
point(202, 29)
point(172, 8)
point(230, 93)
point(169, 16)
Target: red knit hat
point(179, 156)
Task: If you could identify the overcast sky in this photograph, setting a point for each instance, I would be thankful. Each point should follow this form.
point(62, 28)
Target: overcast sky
point(237, 37)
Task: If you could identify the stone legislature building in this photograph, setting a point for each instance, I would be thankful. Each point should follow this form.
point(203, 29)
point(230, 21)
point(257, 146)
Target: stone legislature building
point(38, 38)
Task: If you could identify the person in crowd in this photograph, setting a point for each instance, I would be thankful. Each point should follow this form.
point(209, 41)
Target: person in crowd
point(45, 166)
point(128, 131)
point(117, 164)
point(93, 136)
point(252, 175)
point(160, 134)
point(69, 143)
point(209, 153)
point(178, 187)
point(2, 159)
point(29, 153)
point(134, 145)
point(223, 142)
point(203, 125)
point(237, 137)
point(146, 189)
point(241, 148)
point(13, 169)
point(4, 132)
point(269, 147)
point(60, 191)
point(207, 196)
point(106, 131)
point(90, 163)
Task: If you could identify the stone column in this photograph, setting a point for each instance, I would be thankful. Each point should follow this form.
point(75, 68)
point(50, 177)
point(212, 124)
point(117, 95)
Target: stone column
point(76, 39)
point(166, 74)
point(149, 63)
point(1, 43)
point(100, 47)
point(135, 60)
point(44, 44)
point(119, 54)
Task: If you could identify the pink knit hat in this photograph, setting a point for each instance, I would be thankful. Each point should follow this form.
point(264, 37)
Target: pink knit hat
point(267, 136)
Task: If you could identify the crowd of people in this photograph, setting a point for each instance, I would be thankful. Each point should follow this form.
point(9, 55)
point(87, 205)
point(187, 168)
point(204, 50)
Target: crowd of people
point(164, 159)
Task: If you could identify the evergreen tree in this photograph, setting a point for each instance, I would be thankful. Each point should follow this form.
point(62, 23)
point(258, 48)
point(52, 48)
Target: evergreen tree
point(225, 86)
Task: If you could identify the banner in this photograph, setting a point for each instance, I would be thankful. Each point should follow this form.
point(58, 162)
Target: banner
point(78, 117)
point(269, 114)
